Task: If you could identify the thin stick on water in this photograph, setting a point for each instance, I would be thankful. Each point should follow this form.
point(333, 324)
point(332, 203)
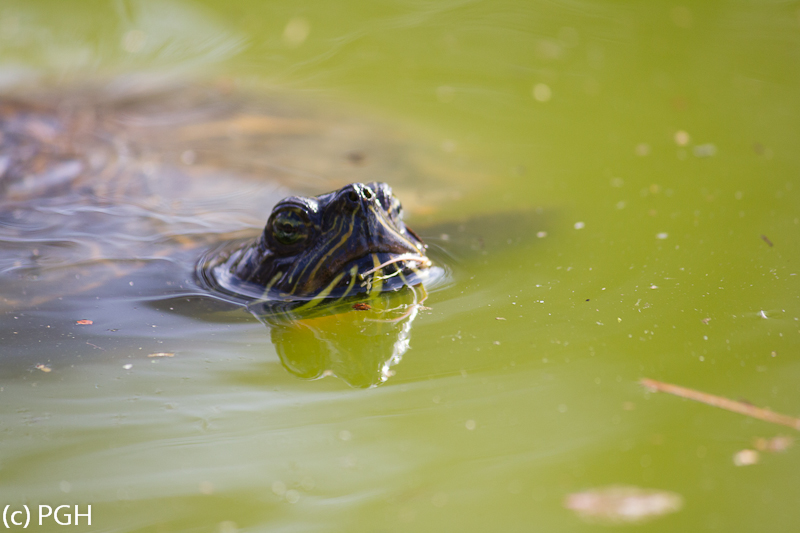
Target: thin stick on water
point(723, 403)
point(404, 257)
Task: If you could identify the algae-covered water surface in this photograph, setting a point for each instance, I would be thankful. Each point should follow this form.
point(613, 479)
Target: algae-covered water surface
point(610, 190)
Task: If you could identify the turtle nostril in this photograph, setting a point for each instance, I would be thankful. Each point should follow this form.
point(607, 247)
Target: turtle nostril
point(367, 192)
point(352, 196)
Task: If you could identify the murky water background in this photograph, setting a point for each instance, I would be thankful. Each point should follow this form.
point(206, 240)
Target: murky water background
point(617, 183)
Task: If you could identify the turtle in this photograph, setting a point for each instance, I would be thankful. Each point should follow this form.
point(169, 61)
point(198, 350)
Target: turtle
point(98, 190)
point(147, 152)
point(332, 246)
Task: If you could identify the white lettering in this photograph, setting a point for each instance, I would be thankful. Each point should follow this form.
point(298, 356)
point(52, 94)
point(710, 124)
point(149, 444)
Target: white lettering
point(67, 515)
point(49, 512)
point(87, 515)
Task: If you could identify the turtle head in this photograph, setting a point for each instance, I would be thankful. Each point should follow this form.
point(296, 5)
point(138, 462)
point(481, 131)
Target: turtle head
point(342, 243)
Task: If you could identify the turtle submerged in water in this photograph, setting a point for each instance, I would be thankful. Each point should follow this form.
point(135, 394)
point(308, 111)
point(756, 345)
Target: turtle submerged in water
point(114, 201)
point(344, 243)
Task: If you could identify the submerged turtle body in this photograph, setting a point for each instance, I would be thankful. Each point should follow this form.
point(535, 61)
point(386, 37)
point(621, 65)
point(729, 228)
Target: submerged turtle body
point(90, 190)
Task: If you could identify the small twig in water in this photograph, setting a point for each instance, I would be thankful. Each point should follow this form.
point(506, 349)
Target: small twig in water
point(723, 403)
point(421, 259)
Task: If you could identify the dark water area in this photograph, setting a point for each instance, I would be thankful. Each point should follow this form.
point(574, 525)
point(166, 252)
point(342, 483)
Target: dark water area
point(610, 189)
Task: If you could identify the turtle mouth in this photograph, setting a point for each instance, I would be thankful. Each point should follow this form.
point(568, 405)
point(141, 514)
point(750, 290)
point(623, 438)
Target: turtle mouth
point(377, 271)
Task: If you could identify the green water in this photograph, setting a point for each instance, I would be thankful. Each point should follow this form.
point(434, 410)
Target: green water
point(617, 181)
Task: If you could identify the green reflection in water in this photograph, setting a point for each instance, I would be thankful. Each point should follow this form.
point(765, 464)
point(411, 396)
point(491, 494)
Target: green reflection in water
point(658, 144)
point(357, 341)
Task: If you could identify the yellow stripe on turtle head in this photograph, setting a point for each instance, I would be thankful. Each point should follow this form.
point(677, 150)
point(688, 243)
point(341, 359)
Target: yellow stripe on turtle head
point(271, 284)
point(353, 276)
point(318, 299)
point(377, 277)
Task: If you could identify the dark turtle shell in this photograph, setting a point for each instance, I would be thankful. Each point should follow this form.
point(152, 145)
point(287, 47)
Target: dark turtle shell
point(343, 243)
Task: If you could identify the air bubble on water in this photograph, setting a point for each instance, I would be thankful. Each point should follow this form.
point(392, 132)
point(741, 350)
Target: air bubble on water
point(296, 32)
point(682, 138)
point(542, 92)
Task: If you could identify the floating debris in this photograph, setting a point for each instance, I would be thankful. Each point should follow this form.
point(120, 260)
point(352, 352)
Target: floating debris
point(84, 322)
point(705, 150)
point(723, 403)
point(161, 354)
point(542, 92)
point(356, 157)
point(361, 306)
point(579, 225)
point(706, 321)
point(746, 457)
point(127, 366)
point(774, 445)
point(499, 318)
point(296, 32)
point(44, 368)
point(622, 504)
point(766, 240)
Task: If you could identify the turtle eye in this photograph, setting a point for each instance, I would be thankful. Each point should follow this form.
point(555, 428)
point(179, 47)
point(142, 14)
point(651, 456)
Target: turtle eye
point(290, 227)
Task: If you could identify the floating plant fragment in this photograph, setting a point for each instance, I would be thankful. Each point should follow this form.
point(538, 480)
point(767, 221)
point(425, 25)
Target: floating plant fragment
point(622, 504)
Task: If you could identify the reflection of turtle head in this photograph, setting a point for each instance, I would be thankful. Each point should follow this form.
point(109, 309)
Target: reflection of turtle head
point(343, 243)
point(359, 345)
